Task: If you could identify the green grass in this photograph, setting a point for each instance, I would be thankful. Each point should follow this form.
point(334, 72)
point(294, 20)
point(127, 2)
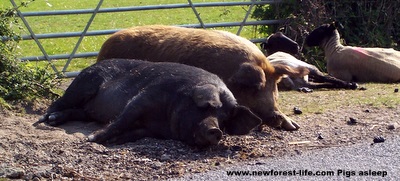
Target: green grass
point(376, 95)
point(120, 20)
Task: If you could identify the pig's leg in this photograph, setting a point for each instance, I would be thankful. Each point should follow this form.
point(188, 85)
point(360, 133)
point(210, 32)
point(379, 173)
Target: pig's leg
point(58, 118)
point(127, 124)
point(130, 136)
point(81, 90)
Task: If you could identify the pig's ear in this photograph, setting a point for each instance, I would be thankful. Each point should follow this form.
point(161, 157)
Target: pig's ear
point(249, 75)
point(241, 122)
point(207, 95)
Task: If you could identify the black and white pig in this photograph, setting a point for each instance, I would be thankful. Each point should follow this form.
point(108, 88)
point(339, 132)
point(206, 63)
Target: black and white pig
point(145, 99)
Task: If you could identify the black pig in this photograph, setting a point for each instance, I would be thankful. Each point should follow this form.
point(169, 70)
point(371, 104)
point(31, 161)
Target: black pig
point(145, 99)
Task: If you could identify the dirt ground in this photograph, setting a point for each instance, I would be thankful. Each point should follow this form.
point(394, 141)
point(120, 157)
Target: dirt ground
point(62, 153)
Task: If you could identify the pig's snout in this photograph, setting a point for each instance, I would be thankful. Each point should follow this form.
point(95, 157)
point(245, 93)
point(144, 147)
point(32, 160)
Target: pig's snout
point(213, 135)
point(208, 132)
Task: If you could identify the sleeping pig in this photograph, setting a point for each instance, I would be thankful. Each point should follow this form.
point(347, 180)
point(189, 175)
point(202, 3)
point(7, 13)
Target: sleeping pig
point(237, 61)
point(144, 99)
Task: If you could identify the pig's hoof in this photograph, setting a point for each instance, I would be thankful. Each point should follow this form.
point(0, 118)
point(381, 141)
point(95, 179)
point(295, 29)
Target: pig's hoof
point(290, 125)
point(92, 138)
point(52, 119)
point(55, 119)
point(42, 119)
point(97, 137)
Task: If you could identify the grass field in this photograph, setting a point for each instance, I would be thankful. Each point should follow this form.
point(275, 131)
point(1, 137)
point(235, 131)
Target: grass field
point(376, 95)
point(120, 20)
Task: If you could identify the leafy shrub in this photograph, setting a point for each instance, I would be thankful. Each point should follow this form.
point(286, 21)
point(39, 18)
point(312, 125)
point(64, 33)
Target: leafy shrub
point(18, 80)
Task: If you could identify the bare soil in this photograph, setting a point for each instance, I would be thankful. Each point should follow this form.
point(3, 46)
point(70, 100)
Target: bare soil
point(62, 153)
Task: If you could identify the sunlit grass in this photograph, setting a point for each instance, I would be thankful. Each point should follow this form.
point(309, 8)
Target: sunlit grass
point(375, 95)
point(119, 20)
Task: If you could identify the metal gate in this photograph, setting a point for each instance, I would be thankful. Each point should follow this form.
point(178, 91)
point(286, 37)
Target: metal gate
point(69, 57)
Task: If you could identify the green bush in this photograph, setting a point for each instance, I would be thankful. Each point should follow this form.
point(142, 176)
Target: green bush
point(18, 80)
point(367, 23)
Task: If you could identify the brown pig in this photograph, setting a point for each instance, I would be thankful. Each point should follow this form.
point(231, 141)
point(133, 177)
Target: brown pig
point(240, 63)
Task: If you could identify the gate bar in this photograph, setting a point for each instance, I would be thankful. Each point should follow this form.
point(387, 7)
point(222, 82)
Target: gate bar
point(245, 18)
point(82, 36)
point(197, 14)
point(150, 7)
point(111, 31)
point(34, 37)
